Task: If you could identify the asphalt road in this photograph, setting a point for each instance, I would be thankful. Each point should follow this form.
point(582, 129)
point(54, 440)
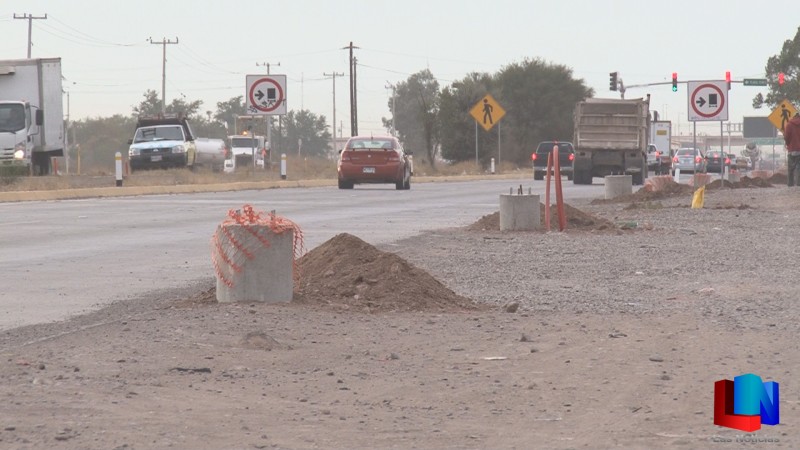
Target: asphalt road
point(60, 258)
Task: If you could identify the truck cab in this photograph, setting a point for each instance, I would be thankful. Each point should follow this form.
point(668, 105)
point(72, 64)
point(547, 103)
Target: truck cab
point(242, 150)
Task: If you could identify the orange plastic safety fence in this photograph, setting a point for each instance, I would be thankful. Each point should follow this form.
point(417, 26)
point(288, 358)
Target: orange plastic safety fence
point(229, 254)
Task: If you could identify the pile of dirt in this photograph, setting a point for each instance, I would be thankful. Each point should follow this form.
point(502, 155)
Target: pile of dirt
point(576, 220)
point(648, 193)
point(747, 182)
point(779, 178)
point(347, 274)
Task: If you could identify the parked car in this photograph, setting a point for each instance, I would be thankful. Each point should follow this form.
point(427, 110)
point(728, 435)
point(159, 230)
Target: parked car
point(688, 160)
point(566, 155)
point(731, 161)
point(374, 159)
point(716, 162)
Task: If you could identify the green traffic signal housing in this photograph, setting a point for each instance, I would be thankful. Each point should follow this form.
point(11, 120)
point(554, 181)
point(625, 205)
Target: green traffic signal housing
point(674, 81)
point(612, 81)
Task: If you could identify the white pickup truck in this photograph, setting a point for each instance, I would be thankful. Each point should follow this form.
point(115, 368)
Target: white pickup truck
point(165, 141)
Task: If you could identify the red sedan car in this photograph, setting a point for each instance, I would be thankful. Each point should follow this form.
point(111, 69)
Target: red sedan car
point(374, 159)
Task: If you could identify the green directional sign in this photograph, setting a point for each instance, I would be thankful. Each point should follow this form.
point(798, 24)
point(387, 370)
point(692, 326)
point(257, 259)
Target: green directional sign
point(755, 82)
point(767, 141)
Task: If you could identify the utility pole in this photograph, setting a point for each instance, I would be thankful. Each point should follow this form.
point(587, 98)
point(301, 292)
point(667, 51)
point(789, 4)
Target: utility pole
point(29, 18)
point(394, 91)
point(164, 43)
point(334, 75)
point(267, 65)
point(353, 107)
point(268, 118)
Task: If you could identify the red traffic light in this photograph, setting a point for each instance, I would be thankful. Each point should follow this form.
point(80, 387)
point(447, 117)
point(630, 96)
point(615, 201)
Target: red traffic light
point(780, 78)
point(728, 76)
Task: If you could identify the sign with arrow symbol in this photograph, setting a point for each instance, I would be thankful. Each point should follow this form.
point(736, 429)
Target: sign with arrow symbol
point(266, 94)
point(708, 101)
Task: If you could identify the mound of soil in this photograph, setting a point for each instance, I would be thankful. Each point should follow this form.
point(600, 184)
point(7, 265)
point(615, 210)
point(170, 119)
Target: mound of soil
point(648, 194)
point(779, 178)
point(746, 182)
point(576, 220)
point(347, 274)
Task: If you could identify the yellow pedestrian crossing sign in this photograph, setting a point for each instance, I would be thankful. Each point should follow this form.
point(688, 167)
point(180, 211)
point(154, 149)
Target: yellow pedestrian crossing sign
point(487, 112)
point(782, 113)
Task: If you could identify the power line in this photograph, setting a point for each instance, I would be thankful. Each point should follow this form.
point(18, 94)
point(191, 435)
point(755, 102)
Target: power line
point(30, 19)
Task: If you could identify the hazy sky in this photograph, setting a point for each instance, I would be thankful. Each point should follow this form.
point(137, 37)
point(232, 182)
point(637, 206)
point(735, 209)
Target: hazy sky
point(108, 61)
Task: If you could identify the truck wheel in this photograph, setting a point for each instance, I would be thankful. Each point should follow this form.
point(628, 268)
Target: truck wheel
point(582, 177)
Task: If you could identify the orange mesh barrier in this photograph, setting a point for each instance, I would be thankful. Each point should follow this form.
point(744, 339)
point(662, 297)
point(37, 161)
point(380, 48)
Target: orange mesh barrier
point(229, 254)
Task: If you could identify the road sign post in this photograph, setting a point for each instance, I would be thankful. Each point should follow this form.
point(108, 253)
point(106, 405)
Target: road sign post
point(487, 112)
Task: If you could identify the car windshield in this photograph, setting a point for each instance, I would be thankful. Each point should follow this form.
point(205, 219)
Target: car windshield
point(714, 155)
point(686, 152)
point(168, 133)
point(371, 144)
point(546, 147)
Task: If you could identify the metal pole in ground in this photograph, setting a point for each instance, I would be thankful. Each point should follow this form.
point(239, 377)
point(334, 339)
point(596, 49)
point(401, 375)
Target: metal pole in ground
point(283, 166)
point(118, 167)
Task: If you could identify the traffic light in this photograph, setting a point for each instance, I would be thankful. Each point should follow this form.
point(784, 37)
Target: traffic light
point(674, 81)
point(728, 79)
point(612, 81)
point(780, 78)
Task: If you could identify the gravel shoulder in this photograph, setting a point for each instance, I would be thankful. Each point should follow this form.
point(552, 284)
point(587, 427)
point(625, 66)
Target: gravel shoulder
point(616, 341)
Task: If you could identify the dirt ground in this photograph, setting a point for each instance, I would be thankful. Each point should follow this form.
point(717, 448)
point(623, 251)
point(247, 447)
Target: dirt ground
point(608, 335)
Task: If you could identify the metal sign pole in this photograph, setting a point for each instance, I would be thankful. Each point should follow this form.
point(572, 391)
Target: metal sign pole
point(476, 145)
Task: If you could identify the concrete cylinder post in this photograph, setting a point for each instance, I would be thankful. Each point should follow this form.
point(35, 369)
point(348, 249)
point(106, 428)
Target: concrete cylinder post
point(519, 212)
point(118, 168)
point(264, 277)
point(283, 166)
point(492, 166)
point(618, 185)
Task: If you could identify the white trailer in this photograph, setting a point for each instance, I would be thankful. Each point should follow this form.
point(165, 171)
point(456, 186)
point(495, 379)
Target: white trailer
point(31, 113)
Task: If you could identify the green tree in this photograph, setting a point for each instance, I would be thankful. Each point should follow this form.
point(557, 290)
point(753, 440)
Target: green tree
point(456, 124)
point(305, 134)
point(227, 111)
point(539, 99)
point(788, 62)
point(416, 112)
point(99, 139)
point(151, 105)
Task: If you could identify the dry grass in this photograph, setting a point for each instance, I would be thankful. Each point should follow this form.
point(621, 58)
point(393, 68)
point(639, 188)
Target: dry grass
point(297, 168)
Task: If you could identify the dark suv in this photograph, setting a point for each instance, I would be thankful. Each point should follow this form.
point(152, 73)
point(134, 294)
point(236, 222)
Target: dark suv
point(566, 154)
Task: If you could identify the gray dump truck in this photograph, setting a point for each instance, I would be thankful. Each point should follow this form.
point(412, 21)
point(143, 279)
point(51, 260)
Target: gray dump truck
point(611, 139)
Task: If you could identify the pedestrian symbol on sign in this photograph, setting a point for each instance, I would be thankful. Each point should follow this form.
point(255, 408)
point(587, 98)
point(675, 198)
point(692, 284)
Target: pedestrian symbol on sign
point(487, 112)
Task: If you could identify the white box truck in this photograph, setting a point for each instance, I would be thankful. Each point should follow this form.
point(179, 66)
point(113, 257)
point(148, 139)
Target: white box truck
point(31, 113)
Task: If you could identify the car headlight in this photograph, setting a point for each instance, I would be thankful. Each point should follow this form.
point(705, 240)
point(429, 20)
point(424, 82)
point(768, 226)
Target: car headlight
point(179, 149)
point(133, 151)
point(19, 151)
